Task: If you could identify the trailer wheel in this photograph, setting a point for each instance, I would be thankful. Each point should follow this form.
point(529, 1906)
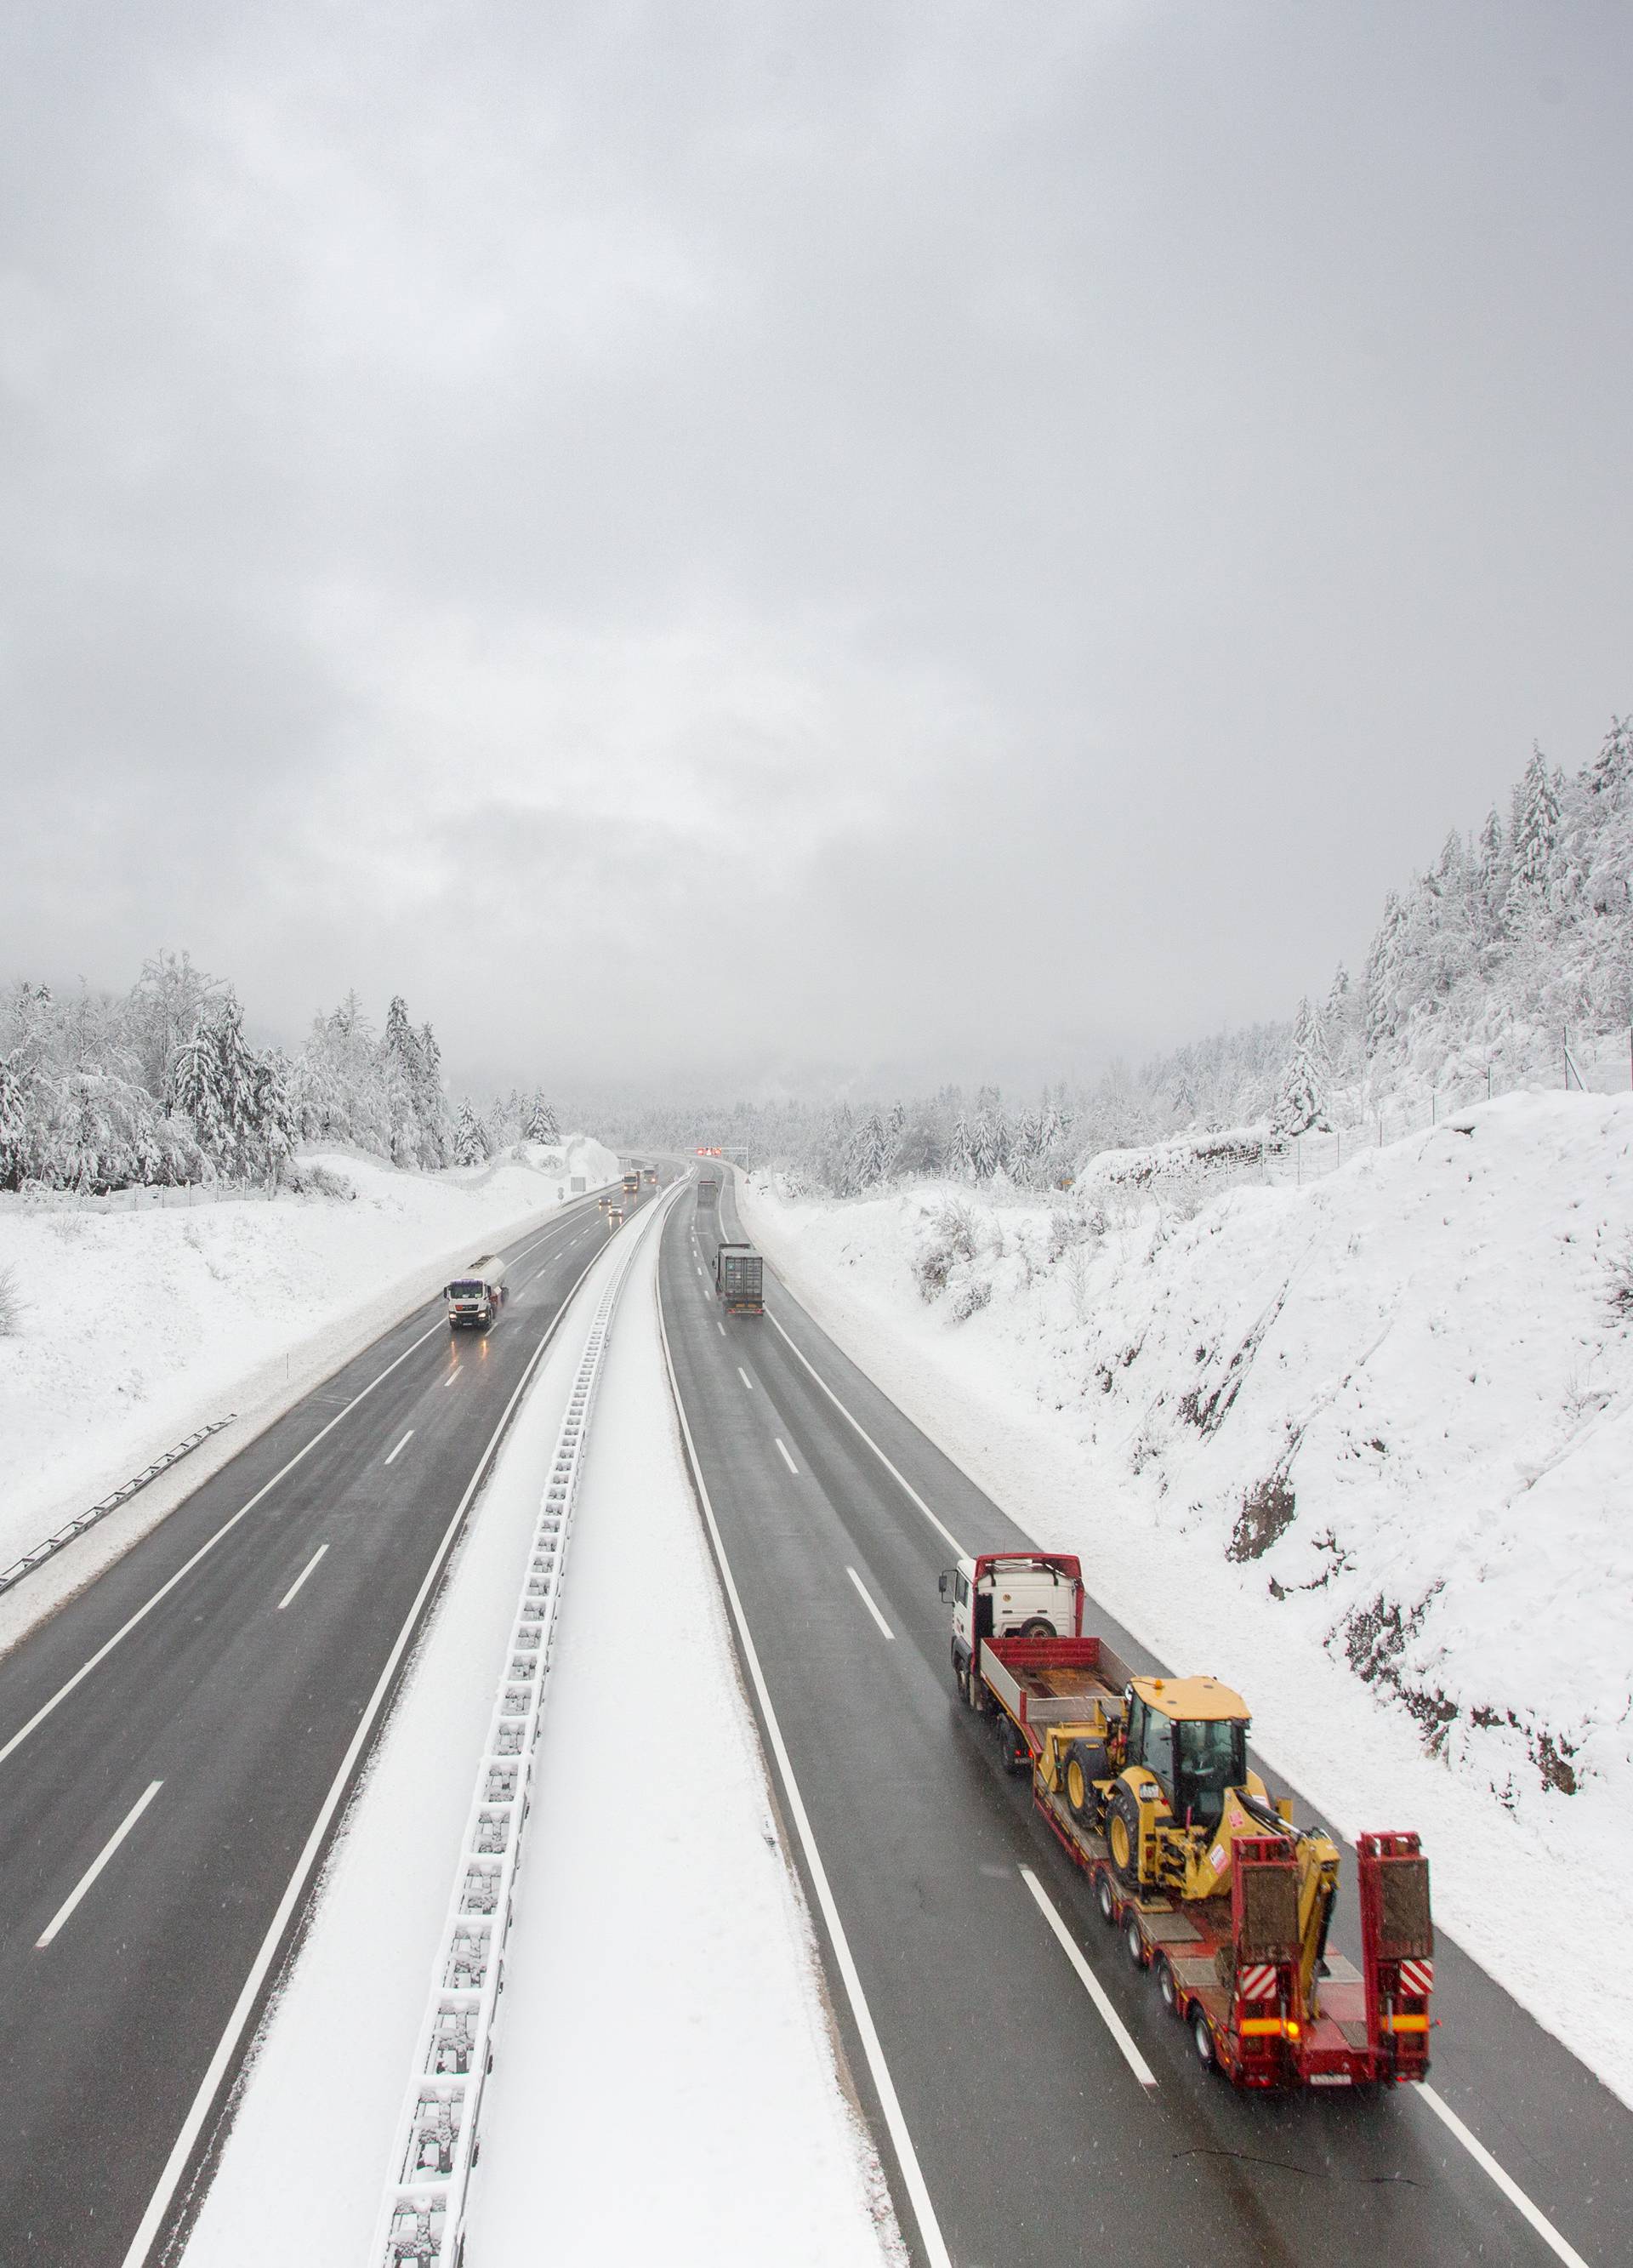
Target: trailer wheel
point(1133, 1940)
point(1202, 2040)
point(1106, 1898)
point(1010, 1747)
point(1166, 1985)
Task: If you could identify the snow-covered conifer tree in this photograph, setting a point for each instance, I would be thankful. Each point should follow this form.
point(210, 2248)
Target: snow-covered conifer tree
point(1535, 830)
point(470, 1137)
point(1301, 1101)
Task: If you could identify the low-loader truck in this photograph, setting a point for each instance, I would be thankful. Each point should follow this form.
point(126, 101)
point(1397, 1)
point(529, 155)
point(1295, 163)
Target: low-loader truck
point(1145, 1782)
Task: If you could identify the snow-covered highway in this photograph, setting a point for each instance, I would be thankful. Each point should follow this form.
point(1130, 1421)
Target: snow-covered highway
point(177, 1743)
point(1022, 2134)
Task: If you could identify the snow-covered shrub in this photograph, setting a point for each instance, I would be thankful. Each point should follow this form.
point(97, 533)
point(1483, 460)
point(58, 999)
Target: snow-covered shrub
point(309, 1179)
point(971, 1297)
point(951, 1238)
point(11, 1304)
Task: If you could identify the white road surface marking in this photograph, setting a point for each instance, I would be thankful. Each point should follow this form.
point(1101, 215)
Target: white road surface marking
point(787, 1459)
point(900, 1479)
point(301, 1578)
point(1509, 2188)
point(453, 1376)
point(720, 1326)
point(97, 1863)
point(743, 1375)
point(862, 1591)
point(933, 2243)
point(1090, 1982)
point(210, 1544)
point(400, 1447)
point(226, 2047)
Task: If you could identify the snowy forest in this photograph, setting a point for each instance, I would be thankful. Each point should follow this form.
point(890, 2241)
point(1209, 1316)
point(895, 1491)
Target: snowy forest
point(101, 1091)
point(1514, 945)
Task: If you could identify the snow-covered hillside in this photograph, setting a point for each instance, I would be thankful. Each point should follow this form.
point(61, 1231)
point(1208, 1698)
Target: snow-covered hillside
point(1360, 1447)
point(129, 1328)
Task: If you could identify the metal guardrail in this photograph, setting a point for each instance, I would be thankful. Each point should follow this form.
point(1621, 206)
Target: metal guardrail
point(422, 2221)
point(10, 1577)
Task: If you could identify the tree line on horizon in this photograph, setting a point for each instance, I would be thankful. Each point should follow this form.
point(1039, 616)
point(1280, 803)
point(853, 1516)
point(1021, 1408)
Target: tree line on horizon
point(101, 1091)
point(1515, 936)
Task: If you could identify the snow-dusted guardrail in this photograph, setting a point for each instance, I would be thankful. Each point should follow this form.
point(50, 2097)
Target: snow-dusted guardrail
point(12, 1575)
point(422, 2222)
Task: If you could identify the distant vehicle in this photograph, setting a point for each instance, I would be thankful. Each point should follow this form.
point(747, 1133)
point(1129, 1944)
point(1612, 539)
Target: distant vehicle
point(603, 1201)
point(476, 1298)
point(649, 1176)
point(632, 1185)
point(708, 1196)
point(614, 1216)
point(740, 1279)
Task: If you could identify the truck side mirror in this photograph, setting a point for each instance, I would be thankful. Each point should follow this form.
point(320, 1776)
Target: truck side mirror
point(941, 1585)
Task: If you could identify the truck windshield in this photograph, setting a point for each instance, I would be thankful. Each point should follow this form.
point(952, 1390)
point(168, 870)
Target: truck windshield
point(472, 1288)
point(1210, 1757)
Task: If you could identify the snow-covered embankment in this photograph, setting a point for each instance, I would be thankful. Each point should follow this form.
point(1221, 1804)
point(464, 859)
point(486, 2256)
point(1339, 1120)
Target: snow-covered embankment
point(131, 1329)
point(1360, 1449)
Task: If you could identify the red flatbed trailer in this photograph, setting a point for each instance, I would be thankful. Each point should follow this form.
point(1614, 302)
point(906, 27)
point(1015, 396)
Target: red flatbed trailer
point(1228, 1967)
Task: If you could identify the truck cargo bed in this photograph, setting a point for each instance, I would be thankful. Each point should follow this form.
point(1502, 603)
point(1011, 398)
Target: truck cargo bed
point(1050, 1681)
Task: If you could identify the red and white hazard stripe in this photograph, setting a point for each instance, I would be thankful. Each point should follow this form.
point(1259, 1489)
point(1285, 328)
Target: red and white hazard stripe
point(1257, 1983)
point(1417, 1976)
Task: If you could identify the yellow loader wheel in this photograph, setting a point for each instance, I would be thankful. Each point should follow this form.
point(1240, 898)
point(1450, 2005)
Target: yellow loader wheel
point(1122, 1834)
point(1085, 1762)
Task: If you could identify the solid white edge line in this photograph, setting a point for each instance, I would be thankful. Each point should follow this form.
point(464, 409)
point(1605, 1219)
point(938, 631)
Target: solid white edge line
point(902, 2140)
point(1090, 1982)
point(301, 1578)
point(787, 1459)
point(400, 1447)
point(97, 1864)
point(175, 2165)
point(868, 1602)
point(900, 1479)
point(1510, 2189)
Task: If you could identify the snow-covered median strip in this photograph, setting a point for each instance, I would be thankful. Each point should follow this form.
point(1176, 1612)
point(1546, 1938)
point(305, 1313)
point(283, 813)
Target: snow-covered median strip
point(135, 1329)
point(423, 2216)
point(664, 2083)
point(1358, 1450)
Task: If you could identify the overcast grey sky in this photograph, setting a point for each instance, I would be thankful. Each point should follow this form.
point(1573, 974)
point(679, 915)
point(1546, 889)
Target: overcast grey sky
point(719, 542)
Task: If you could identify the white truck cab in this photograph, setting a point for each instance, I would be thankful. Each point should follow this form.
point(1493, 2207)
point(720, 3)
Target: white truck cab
point(1012, 1595)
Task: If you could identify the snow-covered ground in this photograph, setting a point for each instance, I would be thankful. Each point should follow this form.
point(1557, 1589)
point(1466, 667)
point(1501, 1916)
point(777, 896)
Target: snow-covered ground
point(1360, 1449)
point(132, 1328)
point(665, 2086)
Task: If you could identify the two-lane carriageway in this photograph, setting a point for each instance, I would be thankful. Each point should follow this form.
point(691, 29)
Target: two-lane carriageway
point(1035, 2103)
point(177, 1743)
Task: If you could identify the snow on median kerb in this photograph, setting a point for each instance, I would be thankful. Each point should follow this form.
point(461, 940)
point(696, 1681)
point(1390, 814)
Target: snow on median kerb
point(1359, 1449)
point(134, 1328)
point(663, 2084)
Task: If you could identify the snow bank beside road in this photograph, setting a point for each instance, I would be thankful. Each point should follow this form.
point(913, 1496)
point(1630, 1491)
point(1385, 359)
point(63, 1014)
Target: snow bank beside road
point(1360, 1449)
point(134, 1327)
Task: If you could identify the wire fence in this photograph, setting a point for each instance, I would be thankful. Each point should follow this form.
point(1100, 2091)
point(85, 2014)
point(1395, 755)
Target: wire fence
point(1296, 1159)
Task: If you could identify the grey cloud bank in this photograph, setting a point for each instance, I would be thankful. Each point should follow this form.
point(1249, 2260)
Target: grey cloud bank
point(736, 542)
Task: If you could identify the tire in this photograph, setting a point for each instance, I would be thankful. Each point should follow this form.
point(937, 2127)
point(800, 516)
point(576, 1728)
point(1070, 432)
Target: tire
point(1123, 1833)
point(1202, 2040)
point(1166, 1985)
point(1038, 1626)
point(1011, 1748)
point(1133, 1944)
point(960, 1678)
point(1106, 1898)
point(1085, 1762)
